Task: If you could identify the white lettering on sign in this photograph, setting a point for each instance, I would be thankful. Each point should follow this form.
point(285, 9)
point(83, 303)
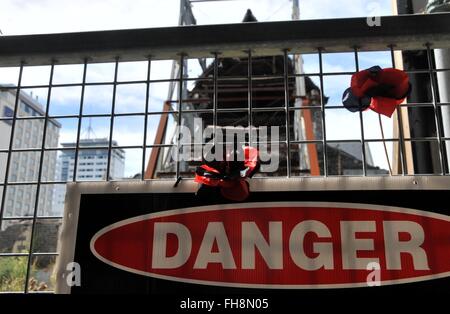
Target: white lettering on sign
point(324, 250)
point(271, 248)
point(395, 247)
point(351, 244)
point(270, 251)
point(159, 256)
point(215, 232)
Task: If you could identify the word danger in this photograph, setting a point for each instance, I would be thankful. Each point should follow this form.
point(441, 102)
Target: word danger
point(271, 246)
point(280, 245)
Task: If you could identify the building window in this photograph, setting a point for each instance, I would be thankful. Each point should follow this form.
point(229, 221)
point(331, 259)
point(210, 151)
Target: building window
point(8, 113)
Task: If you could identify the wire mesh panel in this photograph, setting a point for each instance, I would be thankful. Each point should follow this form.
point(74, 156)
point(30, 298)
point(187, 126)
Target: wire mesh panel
point(153, 119)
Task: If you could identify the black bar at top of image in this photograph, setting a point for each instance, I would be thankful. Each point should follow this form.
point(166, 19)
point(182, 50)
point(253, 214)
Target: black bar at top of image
point(265, 38)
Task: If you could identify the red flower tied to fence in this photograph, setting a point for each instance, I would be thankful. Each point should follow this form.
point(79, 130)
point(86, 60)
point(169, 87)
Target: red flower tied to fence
point(381, 90)
point(229, 176)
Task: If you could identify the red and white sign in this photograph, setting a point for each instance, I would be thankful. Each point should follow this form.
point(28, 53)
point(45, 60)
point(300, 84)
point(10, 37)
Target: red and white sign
point(281, 245)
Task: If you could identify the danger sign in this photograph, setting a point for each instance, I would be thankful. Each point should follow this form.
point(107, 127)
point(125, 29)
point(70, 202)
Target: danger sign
point(280, 245)
point(153, 238)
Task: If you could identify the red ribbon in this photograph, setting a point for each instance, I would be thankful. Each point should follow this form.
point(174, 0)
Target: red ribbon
point(235, 189)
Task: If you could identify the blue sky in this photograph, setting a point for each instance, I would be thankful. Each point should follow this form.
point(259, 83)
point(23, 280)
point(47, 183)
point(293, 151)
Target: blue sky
point(54, 16)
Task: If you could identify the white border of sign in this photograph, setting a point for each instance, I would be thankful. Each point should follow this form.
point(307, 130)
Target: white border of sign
point(75, 190)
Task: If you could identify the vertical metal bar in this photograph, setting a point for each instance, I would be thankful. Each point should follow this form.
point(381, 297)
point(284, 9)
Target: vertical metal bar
point(111, 125)
point(438, 118)
point(400, 126)
point(361, 123)
point(147, 97)
point(287, 112)
point(77, 147)
point(322, 105)
point(250, 95)
point(11, 142)
point(180, 103)
point(215, 96)
point(39, 178)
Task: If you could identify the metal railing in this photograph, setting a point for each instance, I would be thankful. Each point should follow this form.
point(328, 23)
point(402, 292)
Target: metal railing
point(282, 39)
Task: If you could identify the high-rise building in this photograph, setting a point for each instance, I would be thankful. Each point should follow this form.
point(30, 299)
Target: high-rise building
point(24, 166)
point(92, 164)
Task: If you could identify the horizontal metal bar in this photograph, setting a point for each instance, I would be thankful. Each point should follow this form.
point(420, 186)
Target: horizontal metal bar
point(402, 105)
point(103, 83)
point(264, 38)
point(205, 79)
point(408, 105)
point(14, 254)
point(309, 178)
point(425, 71)
point(22, 183)
point(342, 141)
point(418, 139)
point(267, 109)
point(381, 140)
point(81, 147)
point(36, 183)
point(314, 74)
point(30, 217)
point(160, 145)
point(25, 150)
point(72, 116)
point(28, 254)
point(308, 142)
point(45, 254)
point(99, 115)
point(425, 139)
point(230, 143)
point(41, 292)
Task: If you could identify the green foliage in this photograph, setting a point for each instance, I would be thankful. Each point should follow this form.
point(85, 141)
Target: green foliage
point(12, 273)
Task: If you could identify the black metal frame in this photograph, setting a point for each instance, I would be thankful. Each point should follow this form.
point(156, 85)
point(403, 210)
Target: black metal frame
point(264, 38)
